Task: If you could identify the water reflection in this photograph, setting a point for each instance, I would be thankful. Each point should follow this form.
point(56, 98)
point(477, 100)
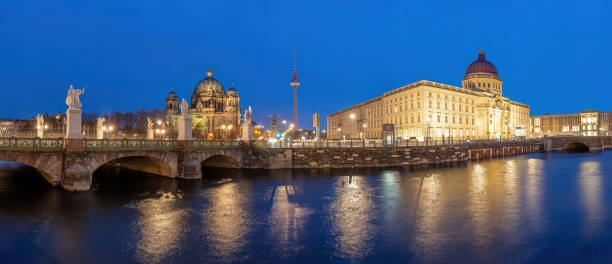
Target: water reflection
point(591, 195)
point(533, 193)
point(351, 212)
point(161, 224)
point(226, 221)
point(286, 221)
point(478, 204)
point(429, 206)
point(511, 207)
point(514, 210)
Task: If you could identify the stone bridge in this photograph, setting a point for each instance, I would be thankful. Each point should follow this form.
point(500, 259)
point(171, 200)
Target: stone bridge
point(71, 164)
point(578, 143)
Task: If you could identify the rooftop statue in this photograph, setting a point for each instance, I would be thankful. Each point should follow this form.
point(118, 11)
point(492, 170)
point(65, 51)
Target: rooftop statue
point(184, 108)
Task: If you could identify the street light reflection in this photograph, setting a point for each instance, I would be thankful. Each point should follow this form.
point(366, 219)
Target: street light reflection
point(161, 225)
point(351, 213)
point(591, 196)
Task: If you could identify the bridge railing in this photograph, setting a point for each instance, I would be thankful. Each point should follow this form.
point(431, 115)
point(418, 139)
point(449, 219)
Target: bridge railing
point(32, 144)
point(216, 144)
point(377, 143)
point(129, 144)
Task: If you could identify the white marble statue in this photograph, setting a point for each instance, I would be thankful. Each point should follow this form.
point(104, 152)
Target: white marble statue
point(72, 100)
point(99, 130)
point(40, 121)
point(149, 123)
point(40, 126)
point(247, 128)
point(184, 108)
point(74, 129)
point(184, 122)
point(247, 115)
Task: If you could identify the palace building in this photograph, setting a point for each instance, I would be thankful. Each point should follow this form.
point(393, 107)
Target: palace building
point(215, 112)
point(585, 123)
point(429, 109)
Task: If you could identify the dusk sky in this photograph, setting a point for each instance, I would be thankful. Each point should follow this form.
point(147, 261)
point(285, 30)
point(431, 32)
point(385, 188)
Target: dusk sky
point(552, 55)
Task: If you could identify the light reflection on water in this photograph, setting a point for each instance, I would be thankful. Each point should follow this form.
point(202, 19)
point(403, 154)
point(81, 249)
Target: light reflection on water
point(226, 221)
point(518, 209)
point(590, 181)
point(161, 226)
point(350, 213)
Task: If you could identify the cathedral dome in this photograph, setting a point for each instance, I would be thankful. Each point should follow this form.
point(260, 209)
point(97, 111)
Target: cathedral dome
point(481, 65)
point(232, 91)
point(172, 96)
point(209, 85)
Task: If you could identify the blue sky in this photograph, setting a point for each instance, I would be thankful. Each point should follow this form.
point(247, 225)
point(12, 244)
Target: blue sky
point(552, 55)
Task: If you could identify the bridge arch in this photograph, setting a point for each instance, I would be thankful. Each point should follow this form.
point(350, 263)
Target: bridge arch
point(576, 146)
point(162, 164)
point(48, 164)
point(220, 161)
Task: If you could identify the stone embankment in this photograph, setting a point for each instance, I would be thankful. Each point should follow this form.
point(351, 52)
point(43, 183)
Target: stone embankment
point(381, 156)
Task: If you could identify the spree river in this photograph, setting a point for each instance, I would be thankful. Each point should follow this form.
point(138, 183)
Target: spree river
point(532, 208)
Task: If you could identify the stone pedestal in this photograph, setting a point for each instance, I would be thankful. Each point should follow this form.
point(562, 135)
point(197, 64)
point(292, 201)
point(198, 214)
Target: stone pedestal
point(184, 128)
point(74, 145)
point(247, 132)
point(73, 123)
point(150, 134)
point(185, 145)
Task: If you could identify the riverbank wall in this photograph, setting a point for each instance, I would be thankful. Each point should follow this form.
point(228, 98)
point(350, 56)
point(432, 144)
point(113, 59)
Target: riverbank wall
point(310, 158)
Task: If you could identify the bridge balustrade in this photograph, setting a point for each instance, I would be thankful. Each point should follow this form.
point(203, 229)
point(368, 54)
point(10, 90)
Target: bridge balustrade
point(216, 144)
point(377, 143)
point(32, 144)
point(129, 144)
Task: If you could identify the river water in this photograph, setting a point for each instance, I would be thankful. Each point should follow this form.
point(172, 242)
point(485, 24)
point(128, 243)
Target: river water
point(532, 208)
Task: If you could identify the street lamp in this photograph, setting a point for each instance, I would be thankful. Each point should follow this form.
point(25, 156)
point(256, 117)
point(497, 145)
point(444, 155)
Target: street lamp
point(223, 135)
point(428, 129)
point(354, 123)
point(364, 128)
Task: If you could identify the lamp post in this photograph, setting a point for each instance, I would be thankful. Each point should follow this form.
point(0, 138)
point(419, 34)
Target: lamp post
point(339, 132)
point(428, 130)
point(364, 128)
point(354, 124)
point(223, 129)
point(229, 128)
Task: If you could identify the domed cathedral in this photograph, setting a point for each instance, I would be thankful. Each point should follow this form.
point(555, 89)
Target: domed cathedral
point(215, 112)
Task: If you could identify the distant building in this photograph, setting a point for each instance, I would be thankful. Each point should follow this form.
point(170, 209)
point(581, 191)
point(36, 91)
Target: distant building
point(585, 123)
point(215, 112)
point(428, 109)
point(274, 123)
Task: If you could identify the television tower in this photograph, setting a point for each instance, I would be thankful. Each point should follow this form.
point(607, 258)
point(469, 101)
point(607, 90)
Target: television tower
point(295, 83)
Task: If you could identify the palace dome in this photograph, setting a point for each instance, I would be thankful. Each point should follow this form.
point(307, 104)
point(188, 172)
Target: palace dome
point(481, 65)
point(209, 85)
